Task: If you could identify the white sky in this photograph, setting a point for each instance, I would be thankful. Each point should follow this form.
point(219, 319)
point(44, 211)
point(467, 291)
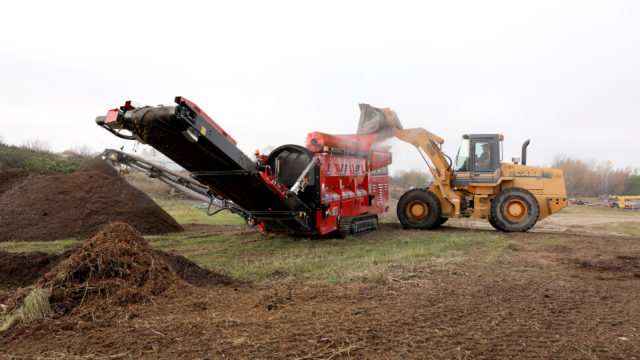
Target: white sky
point(565, 74)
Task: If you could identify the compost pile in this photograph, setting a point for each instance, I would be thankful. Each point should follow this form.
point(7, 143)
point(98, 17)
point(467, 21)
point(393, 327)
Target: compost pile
point(116, 267)
point(50, 207)
point(100, 165)
point(10, 178)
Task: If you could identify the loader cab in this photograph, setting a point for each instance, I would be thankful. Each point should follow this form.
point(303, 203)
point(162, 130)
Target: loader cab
point(478, 160)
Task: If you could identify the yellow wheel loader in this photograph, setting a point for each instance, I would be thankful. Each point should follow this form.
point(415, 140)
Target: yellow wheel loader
point(511, 196)
point(621, 201)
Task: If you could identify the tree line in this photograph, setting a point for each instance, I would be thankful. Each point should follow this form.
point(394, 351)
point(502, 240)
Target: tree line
point(583, 178)
point(589, 178)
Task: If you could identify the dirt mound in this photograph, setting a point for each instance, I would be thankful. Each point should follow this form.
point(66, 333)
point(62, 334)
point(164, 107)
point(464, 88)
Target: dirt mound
point(194, 274)
point(116, 267)
point(9, 178)
point(24, 269)
point(99, 165)
point(51, 207)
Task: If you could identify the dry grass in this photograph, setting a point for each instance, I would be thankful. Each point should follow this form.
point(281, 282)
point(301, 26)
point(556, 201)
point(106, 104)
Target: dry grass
point(34, 306)
point(152, 187)
point(627, 227)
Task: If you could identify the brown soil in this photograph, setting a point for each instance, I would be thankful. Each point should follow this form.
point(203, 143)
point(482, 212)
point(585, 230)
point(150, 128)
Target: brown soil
point(116, 267)
point(554, 296)
point(23, 269)
point(100, 165)
point(9, 178)
point(51, 207)
point(194, 274)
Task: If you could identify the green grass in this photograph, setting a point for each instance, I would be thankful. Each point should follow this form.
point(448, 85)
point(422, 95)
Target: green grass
point(371, 257)
point(246, 255)
point(627, 227)
point(52, 247)
point(185, 212)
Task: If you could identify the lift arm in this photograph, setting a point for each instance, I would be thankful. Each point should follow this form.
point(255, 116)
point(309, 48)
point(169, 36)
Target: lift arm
point(427, 143)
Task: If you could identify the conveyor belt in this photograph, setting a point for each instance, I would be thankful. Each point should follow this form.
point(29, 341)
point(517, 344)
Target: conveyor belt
point(186, 135)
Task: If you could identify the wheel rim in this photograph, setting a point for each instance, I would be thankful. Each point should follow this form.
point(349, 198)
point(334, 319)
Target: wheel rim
point(515, 210)
point(417, 210)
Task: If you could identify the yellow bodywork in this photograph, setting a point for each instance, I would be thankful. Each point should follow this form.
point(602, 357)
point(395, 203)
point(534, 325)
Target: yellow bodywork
point(622, 200)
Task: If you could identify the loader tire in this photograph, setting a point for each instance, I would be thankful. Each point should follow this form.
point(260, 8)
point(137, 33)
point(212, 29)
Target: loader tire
point(495, 224)
point(442, 220)
point(513, 210)
point(419, 209)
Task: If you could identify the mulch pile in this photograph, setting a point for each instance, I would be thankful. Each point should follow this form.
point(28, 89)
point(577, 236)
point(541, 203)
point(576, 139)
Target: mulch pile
point(194, 274)
point(116, 267)
point(51, 207)
point(10, 178)
point(100, 165)
point(24, 269)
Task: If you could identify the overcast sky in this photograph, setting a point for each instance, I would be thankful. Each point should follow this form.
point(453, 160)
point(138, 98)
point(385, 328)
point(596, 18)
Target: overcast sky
point(565, 74)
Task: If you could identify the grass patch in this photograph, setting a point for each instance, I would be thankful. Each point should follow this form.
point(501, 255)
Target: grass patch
point(257, 258)
point(626, 227)
point(599, 210)
point(53, 247)
point(187, 212)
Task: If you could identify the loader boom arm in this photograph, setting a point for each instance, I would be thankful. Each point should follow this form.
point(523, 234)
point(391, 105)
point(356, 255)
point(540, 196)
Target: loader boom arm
point(430, 144)
point(425, 141)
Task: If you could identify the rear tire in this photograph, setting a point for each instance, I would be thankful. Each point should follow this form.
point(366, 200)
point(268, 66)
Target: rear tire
point(419, 209)
point(514, 209)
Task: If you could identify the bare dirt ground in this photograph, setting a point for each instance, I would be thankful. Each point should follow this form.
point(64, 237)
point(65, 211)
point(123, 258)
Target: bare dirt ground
point(581, 221)
point(562, 292)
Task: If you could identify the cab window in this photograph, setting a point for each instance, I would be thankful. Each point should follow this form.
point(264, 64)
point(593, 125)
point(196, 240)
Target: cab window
point(483, 156)
point(462, 160)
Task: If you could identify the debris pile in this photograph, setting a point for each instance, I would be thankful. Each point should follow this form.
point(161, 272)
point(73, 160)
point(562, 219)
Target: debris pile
point(116, 267)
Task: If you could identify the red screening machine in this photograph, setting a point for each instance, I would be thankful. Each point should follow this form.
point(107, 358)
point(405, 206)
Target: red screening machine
point(333, 184)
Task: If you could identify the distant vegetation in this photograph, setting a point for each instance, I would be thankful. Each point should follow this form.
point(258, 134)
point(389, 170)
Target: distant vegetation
point(411, 179)
point(35, 156)
point(583, 178)
point(590, 178)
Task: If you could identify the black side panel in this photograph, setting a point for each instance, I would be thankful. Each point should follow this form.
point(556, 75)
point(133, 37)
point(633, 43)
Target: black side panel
point(187, 138)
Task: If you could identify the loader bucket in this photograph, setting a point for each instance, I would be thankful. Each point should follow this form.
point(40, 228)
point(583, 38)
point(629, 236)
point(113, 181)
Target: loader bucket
point(377, 121)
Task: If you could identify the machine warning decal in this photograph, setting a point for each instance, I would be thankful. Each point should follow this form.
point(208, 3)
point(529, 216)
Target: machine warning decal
point(532, 173)
point(203, 130)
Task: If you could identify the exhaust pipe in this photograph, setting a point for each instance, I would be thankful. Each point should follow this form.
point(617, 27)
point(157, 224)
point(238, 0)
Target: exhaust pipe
point(524, 151)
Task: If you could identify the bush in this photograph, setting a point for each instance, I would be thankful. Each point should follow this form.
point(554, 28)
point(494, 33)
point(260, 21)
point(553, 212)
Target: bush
point(41, 161)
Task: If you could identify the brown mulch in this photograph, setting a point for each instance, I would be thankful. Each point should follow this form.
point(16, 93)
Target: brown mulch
point(100, 165)
point(51, 207)
point(116, 267)
point(23, 269)
point(9, 178)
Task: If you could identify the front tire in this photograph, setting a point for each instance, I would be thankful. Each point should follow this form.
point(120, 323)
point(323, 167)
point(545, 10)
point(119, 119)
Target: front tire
point(513, 210)
point(419, 209)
